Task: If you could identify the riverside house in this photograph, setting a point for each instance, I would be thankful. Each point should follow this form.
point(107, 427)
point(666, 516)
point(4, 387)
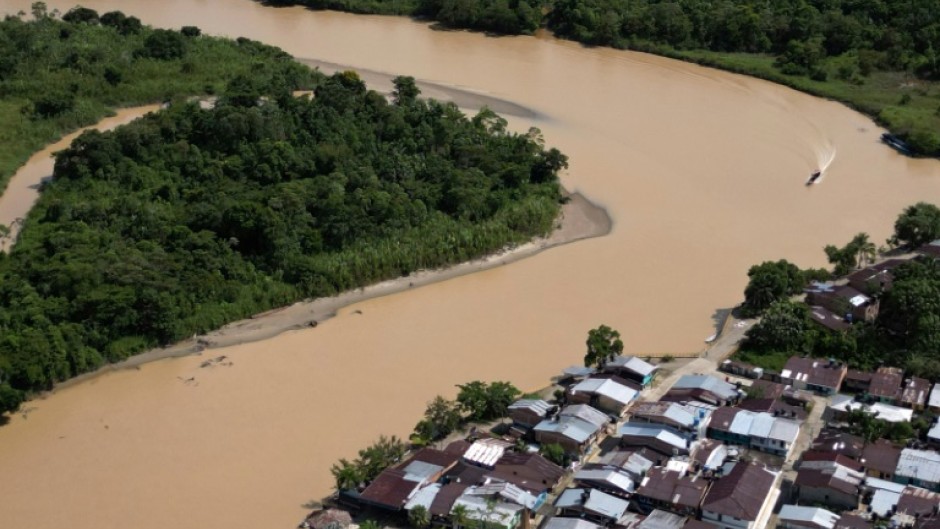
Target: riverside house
point(611, 394)
point(633, 369)
point(656, 437)
point(703, 388)
point(690, 418)
point(575, 428)
point(815, 374)
point(526, 413)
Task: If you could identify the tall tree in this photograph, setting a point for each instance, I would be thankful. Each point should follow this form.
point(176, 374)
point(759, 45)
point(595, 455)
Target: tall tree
point(917, 225)
point(603, 344)
point(418, 517)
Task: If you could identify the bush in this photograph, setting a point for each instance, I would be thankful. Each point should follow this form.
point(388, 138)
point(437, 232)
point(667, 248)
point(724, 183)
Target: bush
point(164, 45)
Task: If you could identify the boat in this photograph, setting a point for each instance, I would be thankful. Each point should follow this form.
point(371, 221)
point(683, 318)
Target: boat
point(813, 177)
point(897, 143)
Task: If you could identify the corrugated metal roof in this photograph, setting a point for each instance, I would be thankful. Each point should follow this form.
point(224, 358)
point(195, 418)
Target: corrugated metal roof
point(934, 432)
point(718, 387)
point(935, 396)
point(479, 509)
point(884, 501)
point(424, 497)
point(886, 412)
point(923, 465)
point(659, 519)
point(420, 471)
point(586, 413)
point(569, 523)
point(638, 366)
point(596, 502)
point(608, 388)
point(814, 515)
point(612, 477)
point(579, 371)
point(506, 491)
point(656, 431)
point(486, 452)
point(570, 427)
point(538, 406)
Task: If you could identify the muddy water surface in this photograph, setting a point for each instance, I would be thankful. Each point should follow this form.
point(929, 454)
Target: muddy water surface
point(702, 172)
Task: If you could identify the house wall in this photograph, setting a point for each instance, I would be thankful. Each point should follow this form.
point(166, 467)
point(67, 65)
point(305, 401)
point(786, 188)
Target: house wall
point(905, 480)
point(570, 445)
point(726, 522)
point(828, 497)
point(610, 405)
point(647, 504)
point(526, 418)
point(771, 446)
point(728, 437)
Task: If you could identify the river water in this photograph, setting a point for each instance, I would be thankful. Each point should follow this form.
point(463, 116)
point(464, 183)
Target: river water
point(702, 172)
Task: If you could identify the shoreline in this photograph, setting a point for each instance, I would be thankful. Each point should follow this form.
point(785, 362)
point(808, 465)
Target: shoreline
point(578, 220)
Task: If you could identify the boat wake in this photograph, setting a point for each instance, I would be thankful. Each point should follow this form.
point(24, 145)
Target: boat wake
point(824, 159)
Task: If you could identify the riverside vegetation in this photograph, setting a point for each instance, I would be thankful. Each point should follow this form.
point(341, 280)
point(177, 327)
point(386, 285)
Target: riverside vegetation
point(191, 218)
point(881, 57)
point(906, 331)
point(57, 75)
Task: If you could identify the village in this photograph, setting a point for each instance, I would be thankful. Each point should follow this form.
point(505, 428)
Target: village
point(701, 443)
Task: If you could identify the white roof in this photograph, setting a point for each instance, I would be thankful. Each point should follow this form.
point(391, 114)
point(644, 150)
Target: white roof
point(608, 388)
point(420, 471)
point(424, 497)
point(486, 452)
point(763, 425)
point(934, 432)
point(597, 502)
point(640, 367)
point(569, 523)
point(506, 491)
point(883, 484)
point(657, 431)
point(478, 509)
point(570, 427)
point(885, 412)
point(935, 396)
point(585, 413)
point(923, 465)
point(609, 476)
point(858, 300)
point(538, 406)
point(814, 515)
point(884, 501)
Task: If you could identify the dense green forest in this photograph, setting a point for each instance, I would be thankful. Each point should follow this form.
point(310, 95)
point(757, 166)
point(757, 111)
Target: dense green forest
point(879, 56)
point(906, 332)
point(191, 218)
point(58, 75)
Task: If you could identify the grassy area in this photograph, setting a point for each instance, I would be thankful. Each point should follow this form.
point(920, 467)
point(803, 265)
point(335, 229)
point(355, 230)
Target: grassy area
point(907, 106)
point(771, 361)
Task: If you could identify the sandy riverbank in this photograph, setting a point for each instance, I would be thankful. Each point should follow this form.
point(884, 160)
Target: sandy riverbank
point(579, 219)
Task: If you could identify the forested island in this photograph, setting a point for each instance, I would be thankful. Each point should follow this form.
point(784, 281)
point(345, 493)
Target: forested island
point(57, 75)
point(880, 57)
point(906, 330)
point(192, 217)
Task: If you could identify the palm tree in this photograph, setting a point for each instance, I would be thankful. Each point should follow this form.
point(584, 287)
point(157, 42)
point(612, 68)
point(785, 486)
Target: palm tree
point(865, 249)
point(418, 517)
point(458, 516)
point(347, 475)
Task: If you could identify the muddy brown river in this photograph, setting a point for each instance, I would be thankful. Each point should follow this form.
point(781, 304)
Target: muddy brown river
point(702, 172)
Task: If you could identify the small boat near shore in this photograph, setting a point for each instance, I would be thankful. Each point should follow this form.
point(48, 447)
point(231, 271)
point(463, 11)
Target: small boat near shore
point(813, 177)
point(897, 143)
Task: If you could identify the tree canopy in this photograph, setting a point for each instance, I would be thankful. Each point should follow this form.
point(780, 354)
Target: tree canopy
point(603, 344)
point(917, 225)
point(769, 282)
point(485, 402)
point(190, 218)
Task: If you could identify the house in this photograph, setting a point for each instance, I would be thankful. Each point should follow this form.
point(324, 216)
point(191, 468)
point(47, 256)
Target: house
point(703, 388)
point(486, 452)
point(933, 403)
point(775, 407)
point(592, 505)
point(876, 279)
point(818, 375)
point(530, 472)
point(670, 490)
point(575, 373)
point(606, 394)
point(828, 319)
point(886, 384)
point(691, 418)
point(741, 369)
point(761, 431)
point(658, 519)
point(917, 502)
point(832, 440)
point(853, 521)
point(657, 437)
point(526, 413)
point(571, 431)
point(920, 468)
point(914, 393)
point(635, 462)
point(606, 478)
point(933, 435)
point(709, 455)
point(884, 496)
point(395, 486)
point(931, 249)
point(843, 300)
point(800, 517)
point(498, 505)
point(742, 499)
point(856, 381)
point(586, 413)
point(832, 483)
point(880, 459)
point(840, 405)
point(557, 522)
point(633, 369)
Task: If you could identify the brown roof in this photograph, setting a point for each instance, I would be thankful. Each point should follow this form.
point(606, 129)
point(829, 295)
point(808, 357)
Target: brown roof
point(458, 447)
point(882, 456)
point(821, 455)
point(434, 457)
point(886, 382)
point(390, 489)
point(823, 479)
point(817, 371)
point(852, 521)
point(444, 501)
point(329, 518)
point(839, 442)
point(918, 502)
point(858, 376)
point(530, 472)
point(741, 493)
point(704, 450)
point(722, 418)
point(775, 406)
point(692, 523)
point(674, 488)
point(915, 391)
